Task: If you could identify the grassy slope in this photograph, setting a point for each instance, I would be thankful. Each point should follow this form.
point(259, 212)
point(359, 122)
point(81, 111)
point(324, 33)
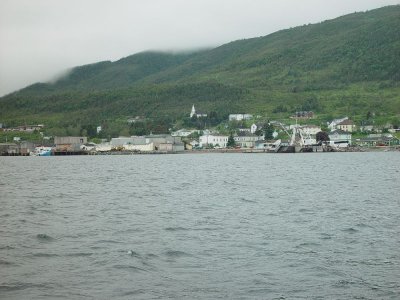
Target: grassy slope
point(348, 66)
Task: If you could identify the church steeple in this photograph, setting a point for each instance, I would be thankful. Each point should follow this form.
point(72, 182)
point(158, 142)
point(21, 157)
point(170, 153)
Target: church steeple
point(193, 112)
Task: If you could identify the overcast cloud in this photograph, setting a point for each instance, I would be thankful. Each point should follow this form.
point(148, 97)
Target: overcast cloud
point(40, 39)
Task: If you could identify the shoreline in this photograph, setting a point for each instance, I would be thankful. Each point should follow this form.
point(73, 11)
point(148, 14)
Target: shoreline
point(213, 151)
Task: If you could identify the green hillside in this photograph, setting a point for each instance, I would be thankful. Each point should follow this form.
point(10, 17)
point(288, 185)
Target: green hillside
point(346, 66)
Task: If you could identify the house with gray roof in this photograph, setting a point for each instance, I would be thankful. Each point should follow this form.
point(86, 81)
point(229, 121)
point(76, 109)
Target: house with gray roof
point(340, 138)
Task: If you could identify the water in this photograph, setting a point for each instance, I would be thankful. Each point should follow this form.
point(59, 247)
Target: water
point(203, 226)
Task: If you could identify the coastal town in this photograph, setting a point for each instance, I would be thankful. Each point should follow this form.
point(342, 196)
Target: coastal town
point(243, 132)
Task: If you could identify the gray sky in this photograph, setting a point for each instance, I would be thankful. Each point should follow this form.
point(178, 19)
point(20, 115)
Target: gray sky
point(39, 39)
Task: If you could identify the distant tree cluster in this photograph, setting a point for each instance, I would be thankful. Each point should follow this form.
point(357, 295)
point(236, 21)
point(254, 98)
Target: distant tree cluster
point(268, 131)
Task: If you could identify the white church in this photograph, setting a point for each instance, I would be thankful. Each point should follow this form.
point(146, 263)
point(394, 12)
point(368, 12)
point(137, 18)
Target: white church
point(198, 114)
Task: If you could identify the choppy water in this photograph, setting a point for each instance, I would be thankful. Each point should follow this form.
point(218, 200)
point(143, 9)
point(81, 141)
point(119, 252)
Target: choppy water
point(230, 226)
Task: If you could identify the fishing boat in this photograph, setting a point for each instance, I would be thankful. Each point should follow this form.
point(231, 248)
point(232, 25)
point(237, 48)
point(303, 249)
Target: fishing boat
point(42, 151)
point(300, 141)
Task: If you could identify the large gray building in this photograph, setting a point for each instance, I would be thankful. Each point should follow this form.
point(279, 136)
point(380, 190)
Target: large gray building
point(160, 142)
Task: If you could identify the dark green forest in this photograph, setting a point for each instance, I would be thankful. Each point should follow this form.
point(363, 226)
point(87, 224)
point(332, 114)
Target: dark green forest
point(346, 66)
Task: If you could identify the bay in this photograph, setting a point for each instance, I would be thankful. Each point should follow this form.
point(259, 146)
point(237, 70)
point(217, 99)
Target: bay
point(201, 226)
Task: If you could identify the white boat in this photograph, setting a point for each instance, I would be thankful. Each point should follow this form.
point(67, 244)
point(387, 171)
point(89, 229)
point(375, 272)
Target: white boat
point(42, 151)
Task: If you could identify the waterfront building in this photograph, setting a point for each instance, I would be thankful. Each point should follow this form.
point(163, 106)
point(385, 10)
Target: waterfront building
point(211, 140)
point(139, 147)
point(121, 141)
point(69, 143)
point(27, 147)
point(340, 138)
point(159, 142)
point(9, 149)
point(246, 139)
point(373, 140)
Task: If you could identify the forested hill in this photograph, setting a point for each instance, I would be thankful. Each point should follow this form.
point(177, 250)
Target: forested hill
point(349, 65)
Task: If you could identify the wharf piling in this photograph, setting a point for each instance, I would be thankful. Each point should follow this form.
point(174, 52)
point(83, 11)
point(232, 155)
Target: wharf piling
point(63, 153)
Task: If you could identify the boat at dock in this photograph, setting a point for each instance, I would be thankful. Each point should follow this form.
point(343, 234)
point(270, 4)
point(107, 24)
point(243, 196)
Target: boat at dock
point(300, 142)
point(42, 151)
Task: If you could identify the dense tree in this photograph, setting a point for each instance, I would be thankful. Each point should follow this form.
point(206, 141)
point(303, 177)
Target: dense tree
point(213, 119)
point(311, 104)
point(73, 130)
point(280, 108)
point(268, 131)
point(231, 141)
point(138, 128)
point(322, 136)
point(91, 130)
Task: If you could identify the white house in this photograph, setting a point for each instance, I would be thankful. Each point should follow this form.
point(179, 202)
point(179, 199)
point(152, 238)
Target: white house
point(213, 140)
point(346, 125)
point(332, 125)
point(240, 117)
